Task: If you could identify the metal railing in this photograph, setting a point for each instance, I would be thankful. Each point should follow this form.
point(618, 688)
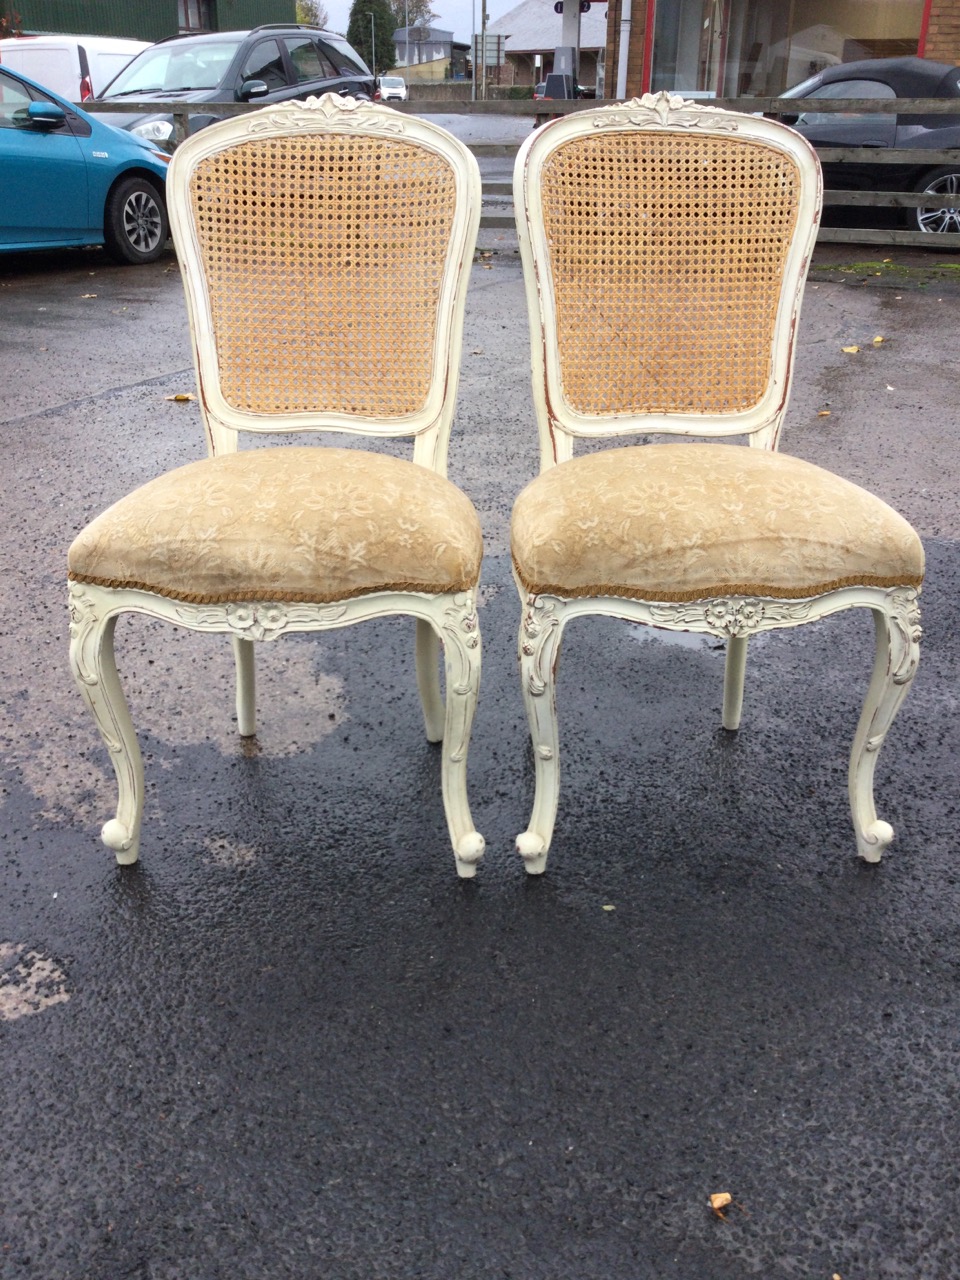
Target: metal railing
point(538, 111)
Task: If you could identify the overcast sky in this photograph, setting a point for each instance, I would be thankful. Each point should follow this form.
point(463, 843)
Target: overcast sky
point(452, 15)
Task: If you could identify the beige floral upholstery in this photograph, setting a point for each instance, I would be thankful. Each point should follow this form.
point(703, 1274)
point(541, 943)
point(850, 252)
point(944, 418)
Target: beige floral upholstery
point(692, 521)
point(290, 523)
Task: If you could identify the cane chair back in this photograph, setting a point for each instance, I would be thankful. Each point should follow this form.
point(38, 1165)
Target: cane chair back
point(325, 249)
point(665, 246)
point(332, 296)
point(666, 264)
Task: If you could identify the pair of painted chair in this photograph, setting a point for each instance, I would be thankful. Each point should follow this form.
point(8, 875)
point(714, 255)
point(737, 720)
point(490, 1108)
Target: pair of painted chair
point(325, 250)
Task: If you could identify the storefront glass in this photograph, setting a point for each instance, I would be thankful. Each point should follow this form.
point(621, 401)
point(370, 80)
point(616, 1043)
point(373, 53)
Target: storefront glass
point(734, 48)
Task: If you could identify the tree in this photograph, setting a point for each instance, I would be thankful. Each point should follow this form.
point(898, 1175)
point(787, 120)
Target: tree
point(363, 39)
point(413, 13)
point(313, 13)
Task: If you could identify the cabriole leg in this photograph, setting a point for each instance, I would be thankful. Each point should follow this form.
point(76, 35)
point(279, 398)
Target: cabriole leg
point(246, 686)
point(95, 670)
point(461, 652)
point(733, 674)
point(428, 680)
point(539, 652)
point(895, 664)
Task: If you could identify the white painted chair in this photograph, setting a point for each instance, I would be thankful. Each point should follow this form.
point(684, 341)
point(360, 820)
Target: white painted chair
point(325, 248)
point(665, 246)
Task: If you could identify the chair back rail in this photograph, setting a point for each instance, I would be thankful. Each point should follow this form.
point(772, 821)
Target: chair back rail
point(360, 231)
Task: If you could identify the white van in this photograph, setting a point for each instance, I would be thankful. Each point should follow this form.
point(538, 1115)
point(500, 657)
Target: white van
point(76, 67)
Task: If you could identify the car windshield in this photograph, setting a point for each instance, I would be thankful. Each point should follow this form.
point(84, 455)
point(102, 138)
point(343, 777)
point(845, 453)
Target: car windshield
point(175, 67)
point(391, 82)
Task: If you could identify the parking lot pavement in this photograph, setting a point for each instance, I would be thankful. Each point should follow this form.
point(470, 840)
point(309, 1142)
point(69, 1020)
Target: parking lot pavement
point(291, 1043)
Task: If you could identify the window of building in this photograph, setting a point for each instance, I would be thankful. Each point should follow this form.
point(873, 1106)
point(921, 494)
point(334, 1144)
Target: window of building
point(734, 48)
point(196, 15)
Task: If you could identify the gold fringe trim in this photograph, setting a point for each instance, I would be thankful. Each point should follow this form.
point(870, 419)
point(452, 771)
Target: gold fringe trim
point(271, 597)
point(715, 592)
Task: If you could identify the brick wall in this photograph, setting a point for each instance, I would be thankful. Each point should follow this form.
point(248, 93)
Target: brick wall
point(638, 22)
point(943, 33)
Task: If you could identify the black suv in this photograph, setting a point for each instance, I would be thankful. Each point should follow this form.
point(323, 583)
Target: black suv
point(268, 64)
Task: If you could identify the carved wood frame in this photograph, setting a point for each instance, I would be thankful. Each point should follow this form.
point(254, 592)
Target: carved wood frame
point(447, 618)
point(732, 618)
point(896, 616)
point(451, 618)
point(558, 424)
point(430, 426)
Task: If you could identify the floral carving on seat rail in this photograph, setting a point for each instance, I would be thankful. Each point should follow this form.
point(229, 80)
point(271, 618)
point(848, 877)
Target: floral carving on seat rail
point(730, 616)
point(259, 621)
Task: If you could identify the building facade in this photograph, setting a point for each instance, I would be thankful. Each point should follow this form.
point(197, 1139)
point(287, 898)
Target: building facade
point(533, 30)
point(742, 48)
point(145, 20)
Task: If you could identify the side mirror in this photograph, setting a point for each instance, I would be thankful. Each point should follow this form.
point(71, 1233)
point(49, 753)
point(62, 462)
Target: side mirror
point(252, 89)
point(789, 119)
point(45, 116)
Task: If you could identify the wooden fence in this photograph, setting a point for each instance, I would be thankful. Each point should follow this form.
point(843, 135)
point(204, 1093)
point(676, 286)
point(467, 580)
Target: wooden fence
point(540, 111)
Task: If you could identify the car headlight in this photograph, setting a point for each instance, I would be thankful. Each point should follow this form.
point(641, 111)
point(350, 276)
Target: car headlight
point(154, 130)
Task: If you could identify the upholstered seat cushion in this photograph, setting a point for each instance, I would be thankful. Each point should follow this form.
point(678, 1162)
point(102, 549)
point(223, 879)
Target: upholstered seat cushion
point(286, 523)
point(692, 521)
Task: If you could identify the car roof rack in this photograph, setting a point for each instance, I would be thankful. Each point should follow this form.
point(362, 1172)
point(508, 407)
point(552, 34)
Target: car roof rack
point(264, 26)
point(295, 26)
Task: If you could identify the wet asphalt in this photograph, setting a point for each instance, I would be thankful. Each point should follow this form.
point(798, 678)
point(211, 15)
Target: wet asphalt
point(291, 1043)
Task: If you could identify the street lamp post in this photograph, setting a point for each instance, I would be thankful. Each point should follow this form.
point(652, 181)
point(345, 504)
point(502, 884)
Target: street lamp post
point(406, 32)
point(373, 43)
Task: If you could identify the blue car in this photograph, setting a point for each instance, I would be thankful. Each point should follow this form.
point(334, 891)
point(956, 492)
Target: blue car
point(67, 179)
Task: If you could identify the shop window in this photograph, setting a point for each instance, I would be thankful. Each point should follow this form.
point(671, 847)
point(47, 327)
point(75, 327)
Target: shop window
point(733, 48)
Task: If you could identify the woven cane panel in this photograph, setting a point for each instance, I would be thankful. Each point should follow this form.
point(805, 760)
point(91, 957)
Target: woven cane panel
point(666, 253)
point(324, 258)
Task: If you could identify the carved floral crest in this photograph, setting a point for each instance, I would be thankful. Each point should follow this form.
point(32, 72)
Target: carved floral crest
point(329, 110)
point(665, 111)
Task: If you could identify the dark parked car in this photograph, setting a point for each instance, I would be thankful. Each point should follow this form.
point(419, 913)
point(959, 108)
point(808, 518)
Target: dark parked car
point(888, 78)
point(271, 63)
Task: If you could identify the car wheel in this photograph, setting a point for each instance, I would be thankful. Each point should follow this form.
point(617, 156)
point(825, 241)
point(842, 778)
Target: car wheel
point(940, 182)
point(135, 227)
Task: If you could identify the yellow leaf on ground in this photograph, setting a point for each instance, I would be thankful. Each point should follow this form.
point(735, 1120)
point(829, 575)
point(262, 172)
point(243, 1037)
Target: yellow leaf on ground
point(824, 413)
point(878, 339)
point(181, 396)
point(719, 1201)
point(851, 351)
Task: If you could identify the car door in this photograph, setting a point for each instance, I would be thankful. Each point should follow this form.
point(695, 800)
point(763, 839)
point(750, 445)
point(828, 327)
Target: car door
point(351, 75)
point(313, 73)
point(265, 61)
point(44, 189)
point(851, 129)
